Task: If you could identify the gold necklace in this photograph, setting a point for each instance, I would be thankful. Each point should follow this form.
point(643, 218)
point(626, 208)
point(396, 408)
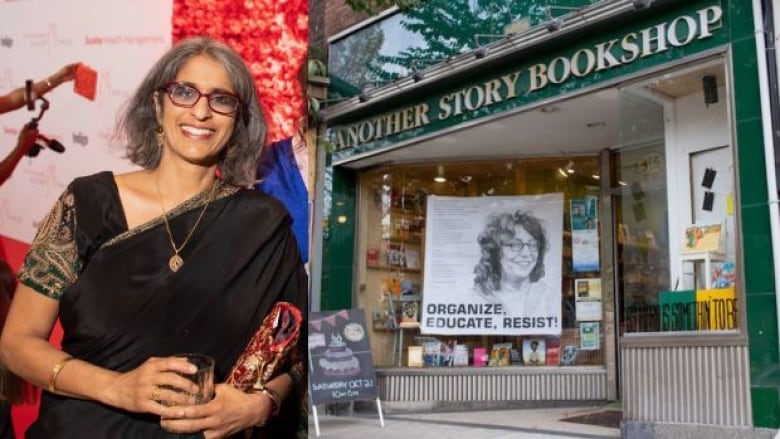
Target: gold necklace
point(176, 261)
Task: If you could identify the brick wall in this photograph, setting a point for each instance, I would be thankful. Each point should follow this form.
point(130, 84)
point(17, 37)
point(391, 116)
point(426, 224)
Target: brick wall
point(338, 16)
point(317, 41)
point(326, 18)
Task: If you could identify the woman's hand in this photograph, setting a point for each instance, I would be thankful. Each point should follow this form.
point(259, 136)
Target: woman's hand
point(150, 387)
point(229, 412)
point(27, 137)
point(66, 73)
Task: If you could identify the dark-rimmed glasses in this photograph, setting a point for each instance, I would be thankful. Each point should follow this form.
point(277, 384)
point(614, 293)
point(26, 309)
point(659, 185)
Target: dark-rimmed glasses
point(185, 95)
point(519, 245)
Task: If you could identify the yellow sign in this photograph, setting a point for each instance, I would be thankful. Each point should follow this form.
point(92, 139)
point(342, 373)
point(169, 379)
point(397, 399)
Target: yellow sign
point(717, 309)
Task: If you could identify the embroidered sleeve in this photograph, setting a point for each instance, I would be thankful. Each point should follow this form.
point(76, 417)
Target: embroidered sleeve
point(52, 263)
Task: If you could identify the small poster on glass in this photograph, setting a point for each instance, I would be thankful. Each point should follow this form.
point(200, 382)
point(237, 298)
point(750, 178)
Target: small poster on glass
point(584, 234)
point(588, 299)
point(589, 336)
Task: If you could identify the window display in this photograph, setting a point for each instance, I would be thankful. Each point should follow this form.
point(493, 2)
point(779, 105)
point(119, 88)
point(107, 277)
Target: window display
point(396, 238)
point(675, 248)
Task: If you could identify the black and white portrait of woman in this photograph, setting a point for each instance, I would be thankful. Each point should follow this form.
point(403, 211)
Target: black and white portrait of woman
point(511, 268)
point(493, 265)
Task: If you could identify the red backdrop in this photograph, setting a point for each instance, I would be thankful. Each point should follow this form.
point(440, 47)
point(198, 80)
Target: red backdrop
point(271, 36)
point(13, 251)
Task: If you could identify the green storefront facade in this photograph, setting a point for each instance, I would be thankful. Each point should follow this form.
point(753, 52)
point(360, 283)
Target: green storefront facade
point(639, 54)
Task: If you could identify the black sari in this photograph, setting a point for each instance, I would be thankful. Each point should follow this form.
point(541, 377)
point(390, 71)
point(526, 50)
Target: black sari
point(120, 303)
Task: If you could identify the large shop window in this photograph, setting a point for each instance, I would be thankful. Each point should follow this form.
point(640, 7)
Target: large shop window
point(482, 264)
point(496, 263)
point(673, 199)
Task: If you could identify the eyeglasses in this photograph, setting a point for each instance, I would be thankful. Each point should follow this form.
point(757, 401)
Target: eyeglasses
point(518, 245)
point(185, 95)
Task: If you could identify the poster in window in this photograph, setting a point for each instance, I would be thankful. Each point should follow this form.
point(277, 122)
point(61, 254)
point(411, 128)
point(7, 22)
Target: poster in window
point(588, 299)
point(589, 336)
point(584, 234)
point(493, 265)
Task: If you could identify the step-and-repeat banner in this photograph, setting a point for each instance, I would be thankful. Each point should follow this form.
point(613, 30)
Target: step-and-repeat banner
point(120, 39)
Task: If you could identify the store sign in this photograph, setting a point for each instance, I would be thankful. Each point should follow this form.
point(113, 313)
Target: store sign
point(605, 55)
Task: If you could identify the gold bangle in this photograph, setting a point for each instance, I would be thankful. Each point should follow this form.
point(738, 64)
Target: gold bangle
point(55, 372)
point(274, 396)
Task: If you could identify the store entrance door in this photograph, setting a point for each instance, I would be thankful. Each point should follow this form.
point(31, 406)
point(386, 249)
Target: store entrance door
point(638, 193)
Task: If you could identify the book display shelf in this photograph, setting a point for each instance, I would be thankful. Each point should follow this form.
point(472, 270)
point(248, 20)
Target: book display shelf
point(393, 272)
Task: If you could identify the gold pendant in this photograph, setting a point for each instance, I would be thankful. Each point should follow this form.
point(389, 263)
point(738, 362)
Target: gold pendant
point(175, 262)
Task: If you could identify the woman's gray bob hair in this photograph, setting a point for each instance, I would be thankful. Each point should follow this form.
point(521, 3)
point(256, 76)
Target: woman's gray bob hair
point(239, 160)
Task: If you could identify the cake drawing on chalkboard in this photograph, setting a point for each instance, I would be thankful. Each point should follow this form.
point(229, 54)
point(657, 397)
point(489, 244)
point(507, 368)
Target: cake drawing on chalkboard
point(338, 359)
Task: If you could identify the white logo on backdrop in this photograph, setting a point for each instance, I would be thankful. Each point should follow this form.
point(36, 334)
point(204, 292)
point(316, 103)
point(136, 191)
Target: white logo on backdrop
point(121, 40)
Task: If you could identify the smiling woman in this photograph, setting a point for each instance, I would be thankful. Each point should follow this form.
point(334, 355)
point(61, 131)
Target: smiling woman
point(511, 266)
point(189, 127)
point(513, 248)
point(195, 127)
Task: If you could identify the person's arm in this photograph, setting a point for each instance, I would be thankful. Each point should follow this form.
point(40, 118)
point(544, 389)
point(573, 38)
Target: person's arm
point(270, 401)
point(24, 345)
point(231, 410)
point(16, 98)
point(25, 350)
point(26, 140)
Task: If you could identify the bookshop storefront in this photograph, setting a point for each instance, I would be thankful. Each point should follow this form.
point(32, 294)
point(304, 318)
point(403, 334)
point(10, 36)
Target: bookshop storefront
point(558, 217)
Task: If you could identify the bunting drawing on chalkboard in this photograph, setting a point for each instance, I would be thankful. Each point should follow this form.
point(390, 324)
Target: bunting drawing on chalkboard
point(331, 319)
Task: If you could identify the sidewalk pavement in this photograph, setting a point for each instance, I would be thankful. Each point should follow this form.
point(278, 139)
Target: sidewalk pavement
point(533, 423)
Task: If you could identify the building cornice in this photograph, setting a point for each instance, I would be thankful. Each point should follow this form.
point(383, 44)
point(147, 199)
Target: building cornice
point(485, 57)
